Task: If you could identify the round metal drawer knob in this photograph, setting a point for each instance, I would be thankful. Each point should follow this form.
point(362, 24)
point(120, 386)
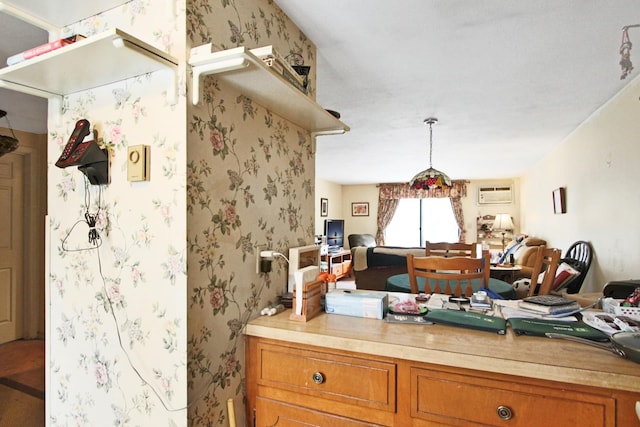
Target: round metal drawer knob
point(318, 378)
point(504, 412)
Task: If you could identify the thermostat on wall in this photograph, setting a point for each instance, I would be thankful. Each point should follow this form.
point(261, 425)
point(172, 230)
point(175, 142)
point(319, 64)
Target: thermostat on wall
point(138, 163)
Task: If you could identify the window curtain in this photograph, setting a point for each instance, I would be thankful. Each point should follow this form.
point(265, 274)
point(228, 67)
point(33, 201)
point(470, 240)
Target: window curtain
point(389, 196)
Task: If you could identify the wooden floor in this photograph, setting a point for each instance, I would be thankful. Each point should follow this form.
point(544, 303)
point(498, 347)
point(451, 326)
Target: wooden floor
point(22, 383)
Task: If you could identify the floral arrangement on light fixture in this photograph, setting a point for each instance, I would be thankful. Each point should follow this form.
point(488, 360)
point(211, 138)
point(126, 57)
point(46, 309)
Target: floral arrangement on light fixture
point(430, 178)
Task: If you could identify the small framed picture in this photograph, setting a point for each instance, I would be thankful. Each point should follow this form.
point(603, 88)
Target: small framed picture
point(559, 205)
point(324, 207)
point(360, 209)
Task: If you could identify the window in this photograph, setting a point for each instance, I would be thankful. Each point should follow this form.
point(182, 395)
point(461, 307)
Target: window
point(419, 220)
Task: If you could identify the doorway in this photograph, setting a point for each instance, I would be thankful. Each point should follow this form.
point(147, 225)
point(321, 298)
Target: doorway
point(23, 183)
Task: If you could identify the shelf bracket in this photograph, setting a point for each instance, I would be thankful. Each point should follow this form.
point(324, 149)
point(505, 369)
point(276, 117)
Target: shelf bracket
point(172, 89)
point(217, 67)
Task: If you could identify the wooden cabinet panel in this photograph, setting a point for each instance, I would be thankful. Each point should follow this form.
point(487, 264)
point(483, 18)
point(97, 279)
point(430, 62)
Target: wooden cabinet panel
point(361, 382)
point(367, 381)
point(454, 399)
point(338, 263)
point(274, 413)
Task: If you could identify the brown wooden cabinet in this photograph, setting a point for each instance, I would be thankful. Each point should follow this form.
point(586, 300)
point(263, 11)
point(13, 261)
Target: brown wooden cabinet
point(473, 398)
point(324, 373)
point(338, 263)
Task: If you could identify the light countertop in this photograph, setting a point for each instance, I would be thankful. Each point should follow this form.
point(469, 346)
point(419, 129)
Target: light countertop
point(532, 357)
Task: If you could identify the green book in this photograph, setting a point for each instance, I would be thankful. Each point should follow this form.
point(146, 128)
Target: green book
point(467, 319)
point(540, 327)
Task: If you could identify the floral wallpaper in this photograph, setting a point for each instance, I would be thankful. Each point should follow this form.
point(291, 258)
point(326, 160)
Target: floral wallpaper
point(117, 306)
point(144, 321)
point(250, 182)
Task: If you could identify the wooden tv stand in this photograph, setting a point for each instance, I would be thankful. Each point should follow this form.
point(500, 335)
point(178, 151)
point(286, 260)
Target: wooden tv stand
point(348, 371)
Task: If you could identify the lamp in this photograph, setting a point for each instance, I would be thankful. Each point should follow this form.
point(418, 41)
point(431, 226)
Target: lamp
point(7, 143)
point(503, 223)
point(430, 178)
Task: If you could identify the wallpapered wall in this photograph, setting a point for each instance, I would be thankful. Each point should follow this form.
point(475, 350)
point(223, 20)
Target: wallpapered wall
point(250, 182)
point(133, 339)
point(117, 314)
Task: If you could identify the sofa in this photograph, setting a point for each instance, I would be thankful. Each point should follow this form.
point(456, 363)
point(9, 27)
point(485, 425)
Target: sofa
point(373, 265)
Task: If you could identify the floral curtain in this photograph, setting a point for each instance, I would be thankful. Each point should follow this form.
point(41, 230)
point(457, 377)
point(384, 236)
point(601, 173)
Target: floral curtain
point(390, 194)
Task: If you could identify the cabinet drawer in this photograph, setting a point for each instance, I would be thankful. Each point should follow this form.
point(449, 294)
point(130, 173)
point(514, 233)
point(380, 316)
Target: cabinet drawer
point(336, 269)
point(348, 380)
point(471, 400)
point(274, 413)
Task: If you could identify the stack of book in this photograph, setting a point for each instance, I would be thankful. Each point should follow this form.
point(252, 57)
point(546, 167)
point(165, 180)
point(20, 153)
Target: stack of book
point(549, 304)
point(272, 58)
point(43, 48)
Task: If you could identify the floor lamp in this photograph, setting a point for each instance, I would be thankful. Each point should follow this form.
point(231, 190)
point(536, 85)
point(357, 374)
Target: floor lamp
point(503, 223)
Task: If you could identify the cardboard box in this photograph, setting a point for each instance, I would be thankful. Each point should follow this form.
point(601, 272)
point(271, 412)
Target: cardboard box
point(358, 303)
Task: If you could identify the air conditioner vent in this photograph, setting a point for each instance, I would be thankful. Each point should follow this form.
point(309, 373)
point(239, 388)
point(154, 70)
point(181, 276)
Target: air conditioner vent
point(497, 194)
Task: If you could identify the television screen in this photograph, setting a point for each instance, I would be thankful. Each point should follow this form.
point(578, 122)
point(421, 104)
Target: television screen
point(334, 230)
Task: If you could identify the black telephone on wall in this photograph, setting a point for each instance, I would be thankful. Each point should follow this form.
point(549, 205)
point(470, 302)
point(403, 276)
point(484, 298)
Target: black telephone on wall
point(85, 153)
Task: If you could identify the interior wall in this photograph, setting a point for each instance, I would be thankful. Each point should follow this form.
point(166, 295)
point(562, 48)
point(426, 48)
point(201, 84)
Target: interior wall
point(359, 194)
point(251, 177)
point(333, 193)
point(598, 166)
point(117, 317)
point(473, 210)
point(470, 206)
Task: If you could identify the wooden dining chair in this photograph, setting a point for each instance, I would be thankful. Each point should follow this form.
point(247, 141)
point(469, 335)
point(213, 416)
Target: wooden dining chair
point(451, 276)
point(546, 262)
point(447, 249)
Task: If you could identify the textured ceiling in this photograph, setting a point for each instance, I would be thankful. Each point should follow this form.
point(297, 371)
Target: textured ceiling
point(508, 80)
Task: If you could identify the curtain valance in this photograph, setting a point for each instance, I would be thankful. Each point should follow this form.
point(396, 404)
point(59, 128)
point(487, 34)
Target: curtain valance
point(403, 191)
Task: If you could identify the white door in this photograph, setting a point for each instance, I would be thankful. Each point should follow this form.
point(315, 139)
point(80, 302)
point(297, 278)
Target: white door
point(11, 234)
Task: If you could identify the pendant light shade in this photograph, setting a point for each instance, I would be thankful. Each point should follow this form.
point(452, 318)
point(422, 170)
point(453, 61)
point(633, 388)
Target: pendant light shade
point(7, 143)
point(430, 178)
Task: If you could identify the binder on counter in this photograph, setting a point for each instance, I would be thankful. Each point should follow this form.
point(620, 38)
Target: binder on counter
point(467, 319)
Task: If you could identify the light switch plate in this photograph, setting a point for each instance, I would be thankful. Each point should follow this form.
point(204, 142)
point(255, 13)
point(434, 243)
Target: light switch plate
point(138, 163)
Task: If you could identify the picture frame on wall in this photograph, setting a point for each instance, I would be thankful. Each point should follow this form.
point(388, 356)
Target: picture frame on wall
point(324, 207)
point(360, 209)
point(559, 204)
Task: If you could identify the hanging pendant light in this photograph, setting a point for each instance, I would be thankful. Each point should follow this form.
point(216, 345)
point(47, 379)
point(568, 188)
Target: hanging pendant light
point(7, 143)
point(430, 178)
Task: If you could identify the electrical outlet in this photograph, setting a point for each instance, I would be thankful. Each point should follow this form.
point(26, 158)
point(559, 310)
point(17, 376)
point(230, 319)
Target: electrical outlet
point(259, 248)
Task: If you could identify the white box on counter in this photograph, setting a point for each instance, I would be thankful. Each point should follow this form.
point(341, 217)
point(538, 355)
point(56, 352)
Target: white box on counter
point(358, 303)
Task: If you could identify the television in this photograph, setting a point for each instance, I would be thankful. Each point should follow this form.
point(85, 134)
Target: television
point(334, 232)
point(300, 257)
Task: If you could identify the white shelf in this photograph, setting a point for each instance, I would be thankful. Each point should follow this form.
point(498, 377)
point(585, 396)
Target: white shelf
point(239, 68)
point(98, 60)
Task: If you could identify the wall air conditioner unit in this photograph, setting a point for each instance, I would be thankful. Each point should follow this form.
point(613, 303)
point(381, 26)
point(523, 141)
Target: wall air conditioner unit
point(497, 194)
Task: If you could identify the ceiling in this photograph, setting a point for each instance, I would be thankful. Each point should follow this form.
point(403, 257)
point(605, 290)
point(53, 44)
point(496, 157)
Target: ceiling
point(508, 80)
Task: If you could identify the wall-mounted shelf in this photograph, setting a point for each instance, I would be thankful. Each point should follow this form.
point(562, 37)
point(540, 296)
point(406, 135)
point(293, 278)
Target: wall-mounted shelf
point(98, 60)
point(241, 69)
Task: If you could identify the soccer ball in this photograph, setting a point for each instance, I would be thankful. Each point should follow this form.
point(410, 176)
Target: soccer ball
point(522, 287)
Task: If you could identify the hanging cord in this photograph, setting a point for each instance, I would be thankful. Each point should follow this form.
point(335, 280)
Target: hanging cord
point(94, 236)
point(96, 241)
point(6, 117)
